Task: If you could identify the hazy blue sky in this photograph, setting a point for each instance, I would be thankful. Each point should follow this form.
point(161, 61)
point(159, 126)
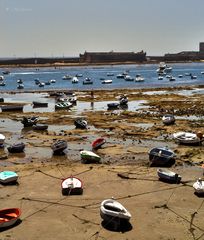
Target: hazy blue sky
point(69, 27)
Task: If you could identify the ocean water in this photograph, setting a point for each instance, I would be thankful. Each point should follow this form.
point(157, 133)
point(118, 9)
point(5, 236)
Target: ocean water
point(96, 73)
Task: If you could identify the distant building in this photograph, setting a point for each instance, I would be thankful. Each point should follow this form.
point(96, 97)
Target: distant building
point(186, 55)
point(112, 57)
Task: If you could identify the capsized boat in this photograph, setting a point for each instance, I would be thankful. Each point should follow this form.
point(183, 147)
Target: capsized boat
point(71, 186)
point(189, 138)
point(161, 156)
point(59, 146)
point(89, 157)
point(9, 217)
point(98, 143)
point(167, 175)
point(112, 210)
point(16, 148)
point(8, 177)
point(199, 186)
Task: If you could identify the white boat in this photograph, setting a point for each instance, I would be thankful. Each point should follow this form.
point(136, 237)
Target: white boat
point(75, 80)
point(199, 186)
point(8, 177)
point(188, 138)
point(128, 78)
point(112, 210)
point(160, 78)
point(108, 81)
point(139, 78)
point(167, 175)
point(72, 185)
point(67, 77)
point(89, 157)
point(2, 139)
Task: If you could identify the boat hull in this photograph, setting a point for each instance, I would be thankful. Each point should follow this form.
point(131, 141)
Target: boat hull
point(9, 217)
point(8, 177)
point(72, 186)
point(168, 176)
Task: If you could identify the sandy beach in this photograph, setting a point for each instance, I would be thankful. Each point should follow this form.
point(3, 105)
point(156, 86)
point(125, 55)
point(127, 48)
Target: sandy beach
point(159, 210)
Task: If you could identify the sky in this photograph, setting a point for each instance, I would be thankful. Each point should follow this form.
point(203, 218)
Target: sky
point(66, 28)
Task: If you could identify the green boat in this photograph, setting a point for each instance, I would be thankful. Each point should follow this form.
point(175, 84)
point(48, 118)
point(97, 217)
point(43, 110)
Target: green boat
point(89, 157)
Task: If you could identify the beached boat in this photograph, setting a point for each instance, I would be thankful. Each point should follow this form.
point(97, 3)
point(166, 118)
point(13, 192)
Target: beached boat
point(168, 119)
point(89, 157)
point(123, 100)
point(72, 186)
point(161, 156)
point(1, 99)
point(29, 121)
point(63, 105)
point(40, 126)
point(59, 146)
point(39, 104)
point(8, 177)
point(199, 186)
point(107, 81)
point(167, 175)
point(9, 217)
point(113, 106)
point(2, 139)
point(80, 123)
point(112, 210)
point(188, 138)
point(16, 148)
point(11, 108)
point(98, 143)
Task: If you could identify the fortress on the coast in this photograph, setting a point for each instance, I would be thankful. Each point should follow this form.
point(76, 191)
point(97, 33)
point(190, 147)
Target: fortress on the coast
point(109, 58)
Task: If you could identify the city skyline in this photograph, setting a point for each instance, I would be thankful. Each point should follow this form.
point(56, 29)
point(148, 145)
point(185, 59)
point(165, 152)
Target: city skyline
point(70, 27)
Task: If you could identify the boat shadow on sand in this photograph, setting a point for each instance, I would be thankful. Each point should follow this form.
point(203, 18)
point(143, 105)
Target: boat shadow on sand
point(18, 222)
point(117, 226)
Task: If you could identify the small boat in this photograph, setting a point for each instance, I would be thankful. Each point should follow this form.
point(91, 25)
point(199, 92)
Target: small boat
point(79, 75)
point(172, 78)
point(112, 210)
point(108, 81)
point(1, 78)
point(2, 139)
point(113, 106)
point(139, 78)
point(2, 83)
point(20, 86)
point(20, 81)
point(16, 148)
point(59, 146)
point(98, 143)
point(30, 121)
point(72, 186)
point(167, 175)
point(63, 105)
point(80, 123)
point(199, 186)
point(87, 81)
point(8, 177)
point(41, 84)
point(6, 72)
point(168, 119)
point(1, 99)
point(12, 108)
point(40, 126)
point(75, 80)
point(9, 217)
point(52, 81)
point(161, 156)
point(160, 78)
point(123, 100)
point(89, 157)
point(39, 104)
point(67, 77)
point(128, 78)
point(188, 138)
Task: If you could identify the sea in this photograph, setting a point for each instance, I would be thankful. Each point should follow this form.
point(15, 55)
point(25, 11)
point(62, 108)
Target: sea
point(180, 71)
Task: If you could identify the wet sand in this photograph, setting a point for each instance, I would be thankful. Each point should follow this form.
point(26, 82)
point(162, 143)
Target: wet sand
point(159, 210)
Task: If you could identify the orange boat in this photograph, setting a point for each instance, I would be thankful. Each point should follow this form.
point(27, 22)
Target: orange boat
point(98, 143)
point(9, 216)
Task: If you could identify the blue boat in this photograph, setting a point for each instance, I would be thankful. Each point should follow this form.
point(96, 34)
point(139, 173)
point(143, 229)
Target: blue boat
point(8, 177)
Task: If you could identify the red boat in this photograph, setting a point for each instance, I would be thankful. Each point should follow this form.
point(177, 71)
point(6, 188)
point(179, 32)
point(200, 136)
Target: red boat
point(9, 216)
point(98, 143)
point(72, 186)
